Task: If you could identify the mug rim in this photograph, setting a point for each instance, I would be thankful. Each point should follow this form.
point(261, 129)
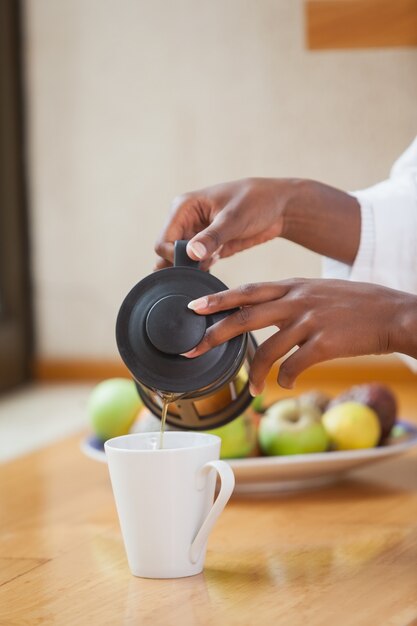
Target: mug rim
point(210, 440)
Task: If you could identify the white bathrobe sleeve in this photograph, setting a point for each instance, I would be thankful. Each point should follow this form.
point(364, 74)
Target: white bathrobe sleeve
point(387, 252)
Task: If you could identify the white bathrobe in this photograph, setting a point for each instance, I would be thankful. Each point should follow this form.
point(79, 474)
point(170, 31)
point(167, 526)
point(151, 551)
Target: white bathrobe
point(387, 252)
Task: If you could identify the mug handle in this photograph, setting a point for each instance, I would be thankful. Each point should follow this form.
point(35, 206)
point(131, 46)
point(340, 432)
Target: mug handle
point(226, 489)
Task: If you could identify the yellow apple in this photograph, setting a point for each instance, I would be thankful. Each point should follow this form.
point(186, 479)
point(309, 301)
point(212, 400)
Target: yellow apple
point(352, 426)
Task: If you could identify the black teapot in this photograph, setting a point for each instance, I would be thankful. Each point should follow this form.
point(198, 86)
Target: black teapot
point(154, 327)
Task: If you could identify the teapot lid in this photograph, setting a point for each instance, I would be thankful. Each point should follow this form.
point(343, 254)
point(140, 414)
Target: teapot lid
point(155, 326)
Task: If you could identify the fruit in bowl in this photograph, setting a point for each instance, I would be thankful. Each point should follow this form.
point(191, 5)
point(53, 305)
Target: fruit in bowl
point(352, 426)
point(112, 407)
point(239, 437)
point(360, 417)
point(316, 398)
point(292, 426)
point(378, 397)
point(258, 404)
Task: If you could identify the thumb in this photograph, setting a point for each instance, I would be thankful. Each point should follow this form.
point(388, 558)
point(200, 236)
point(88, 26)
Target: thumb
point(207, 242)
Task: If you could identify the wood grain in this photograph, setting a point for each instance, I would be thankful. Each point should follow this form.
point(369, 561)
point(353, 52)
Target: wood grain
point(360, 23)
point(345, 554)
point(11, 568)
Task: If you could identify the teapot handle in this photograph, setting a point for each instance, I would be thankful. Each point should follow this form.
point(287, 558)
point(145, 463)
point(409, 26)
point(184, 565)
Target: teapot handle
point(181, 257)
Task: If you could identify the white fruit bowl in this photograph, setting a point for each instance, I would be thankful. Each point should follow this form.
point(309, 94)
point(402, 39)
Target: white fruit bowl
point(296, 472)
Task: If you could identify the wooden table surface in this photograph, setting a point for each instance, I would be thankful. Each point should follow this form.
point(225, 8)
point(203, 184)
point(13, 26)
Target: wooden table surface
point(344, 555)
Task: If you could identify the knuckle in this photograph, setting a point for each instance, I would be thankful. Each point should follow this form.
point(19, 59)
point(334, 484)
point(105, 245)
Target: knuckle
point(309, 320)
point(214, 236)
point(248, 289)
point(178, 201)
point(286, 282)
point(286, 372)
point(215, 299)
point(299, 287)
point(214, 336)
point(208, 340)
point(322, 340)
point(322, 346)
point(249, 184)
point(243, 316)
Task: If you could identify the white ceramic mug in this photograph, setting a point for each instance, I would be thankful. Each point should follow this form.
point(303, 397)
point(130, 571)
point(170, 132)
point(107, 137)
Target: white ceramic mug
point(164, 499)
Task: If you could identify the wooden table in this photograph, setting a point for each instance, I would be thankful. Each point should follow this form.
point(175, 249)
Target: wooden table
point(344, 555)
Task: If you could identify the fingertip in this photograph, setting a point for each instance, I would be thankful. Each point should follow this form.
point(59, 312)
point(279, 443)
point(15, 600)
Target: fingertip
point(198, 305)
point(256, 390)
point(190, 354)
point(252, 391)
point(196, 250)
point(285, 383)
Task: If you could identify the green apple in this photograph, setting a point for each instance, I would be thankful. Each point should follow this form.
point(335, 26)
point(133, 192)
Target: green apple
point(258, 403)
point(352, 426)
point(112, 407)
point(238, 437)
point(292, 427)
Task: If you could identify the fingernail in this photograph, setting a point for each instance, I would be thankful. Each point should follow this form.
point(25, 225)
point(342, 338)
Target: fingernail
point(256, 390)
point(198, 248)
point(190, 353)
point(198, 305)
point(253, 391)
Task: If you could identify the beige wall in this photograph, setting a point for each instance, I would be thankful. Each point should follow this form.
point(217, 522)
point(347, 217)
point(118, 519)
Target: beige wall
point(134, 101)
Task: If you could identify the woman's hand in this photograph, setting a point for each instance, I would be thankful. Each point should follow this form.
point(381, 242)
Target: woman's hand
point(325, 319)
point(225, 219)
point(222, 220)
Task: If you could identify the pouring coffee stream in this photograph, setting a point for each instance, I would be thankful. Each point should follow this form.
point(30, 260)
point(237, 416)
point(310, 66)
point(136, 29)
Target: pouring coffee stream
point(166, 401)
point(154, 327)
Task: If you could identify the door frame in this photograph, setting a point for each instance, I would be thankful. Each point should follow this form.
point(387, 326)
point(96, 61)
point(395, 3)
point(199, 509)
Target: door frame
point(16, 329)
